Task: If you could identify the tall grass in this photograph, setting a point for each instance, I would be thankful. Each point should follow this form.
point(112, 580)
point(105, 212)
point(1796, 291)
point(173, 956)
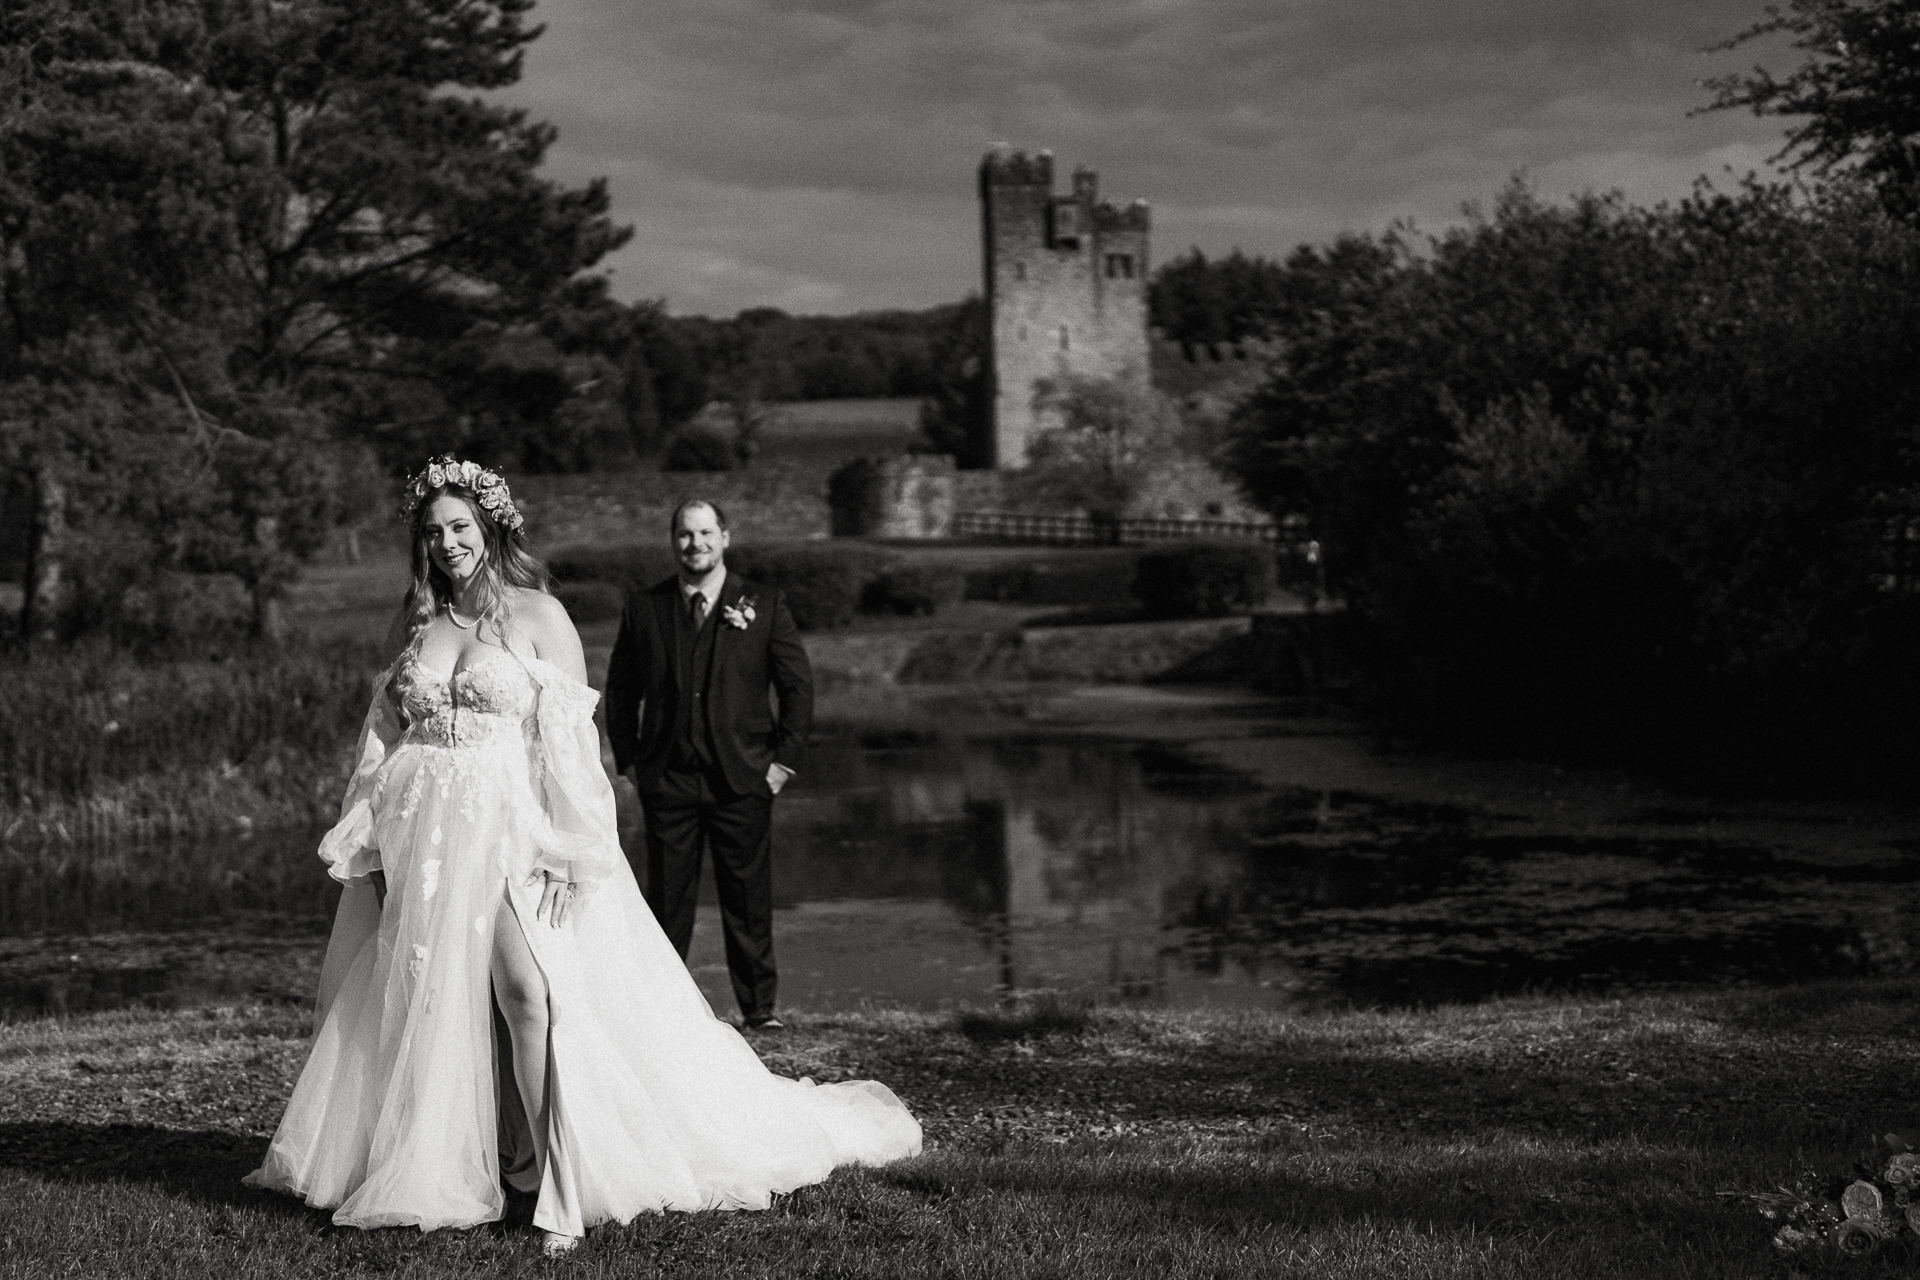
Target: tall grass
point(97, 743)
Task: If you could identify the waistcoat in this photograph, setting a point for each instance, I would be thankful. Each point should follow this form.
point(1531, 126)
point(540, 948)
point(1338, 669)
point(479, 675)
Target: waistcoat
point(692, 730)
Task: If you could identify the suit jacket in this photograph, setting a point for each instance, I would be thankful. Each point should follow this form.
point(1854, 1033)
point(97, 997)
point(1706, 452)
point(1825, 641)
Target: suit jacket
point(645, 685)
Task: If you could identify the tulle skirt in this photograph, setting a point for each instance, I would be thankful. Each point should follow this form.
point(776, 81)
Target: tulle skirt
point(653, 1102)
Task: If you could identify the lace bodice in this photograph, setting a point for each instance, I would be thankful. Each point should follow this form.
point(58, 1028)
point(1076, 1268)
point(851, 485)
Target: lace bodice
point(480, 704)
point(509, 734)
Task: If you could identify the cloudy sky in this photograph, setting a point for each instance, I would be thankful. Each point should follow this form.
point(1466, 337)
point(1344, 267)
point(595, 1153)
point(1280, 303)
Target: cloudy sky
point(819, 155)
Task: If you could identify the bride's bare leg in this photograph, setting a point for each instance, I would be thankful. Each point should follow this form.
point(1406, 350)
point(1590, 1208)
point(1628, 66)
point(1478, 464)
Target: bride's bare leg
point(520, 989)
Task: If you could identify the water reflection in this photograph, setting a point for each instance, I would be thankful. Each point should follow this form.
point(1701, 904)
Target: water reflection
point(933, 868)
point(1132, 872)
point(272, 884)
point(1029, 863)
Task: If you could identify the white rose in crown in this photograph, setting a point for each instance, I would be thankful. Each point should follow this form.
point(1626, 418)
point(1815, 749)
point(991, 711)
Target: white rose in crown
point(740, 614)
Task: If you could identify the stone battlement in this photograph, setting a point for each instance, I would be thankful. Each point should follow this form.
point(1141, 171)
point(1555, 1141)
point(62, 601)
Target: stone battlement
point(1108, 216)
point(1008, 168)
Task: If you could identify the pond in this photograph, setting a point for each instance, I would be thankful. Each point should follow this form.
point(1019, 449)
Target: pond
point(932, 864)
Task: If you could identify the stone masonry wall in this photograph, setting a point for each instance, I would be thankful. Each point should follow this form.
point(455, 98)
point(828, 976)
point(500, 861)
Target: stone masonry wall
point(905, 496)
point(763, 503)
point(1066, 287)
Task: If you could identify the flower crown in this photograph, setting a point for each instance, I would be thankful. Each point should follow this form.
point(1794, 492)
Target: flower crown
point(489, 490)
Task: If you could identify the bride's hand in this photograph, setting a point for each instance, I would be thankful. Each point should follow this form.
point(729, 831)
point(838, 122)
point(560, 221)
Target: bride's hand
point(555, 900)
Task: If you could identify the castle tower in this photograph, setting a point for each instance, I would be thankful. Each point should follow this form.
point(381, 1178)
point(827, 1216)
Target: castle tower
point(1066, 287)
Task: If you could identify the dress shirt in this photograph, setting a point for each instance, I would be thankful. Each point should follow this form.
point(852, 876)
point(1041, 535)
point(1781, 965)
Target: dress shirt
point(711, 590)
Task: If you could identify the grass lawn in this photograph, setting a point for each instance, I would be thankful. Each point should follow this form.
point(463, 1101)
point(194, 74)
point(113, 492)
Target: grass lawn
point(1578, 1137)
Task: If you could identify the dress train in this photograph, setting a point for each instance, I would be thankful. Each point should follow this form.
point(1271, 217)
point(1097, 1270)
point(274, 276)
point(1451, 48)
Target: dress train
point(653, 1103)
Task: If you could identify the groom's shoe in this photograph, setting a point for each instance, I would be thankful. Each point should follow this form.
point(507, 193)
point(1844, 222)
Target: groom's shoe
point(765, 1022)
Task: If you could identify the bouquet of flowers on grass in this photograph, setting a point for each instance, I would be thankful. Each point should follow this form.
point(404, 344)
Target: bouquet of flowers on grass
point(1880, 1204)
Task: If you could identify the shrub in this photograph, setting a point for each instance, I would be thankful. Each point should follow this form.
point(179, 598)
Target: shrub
point(1203, 579)
point(1103, 577)
point(824, 582)
point(1617, 483)
point(1066, 577)
point(700, 446)
point(591, 601)
point(628, 566)
point(183, 607)
point(1006, 582)
point(851, 494)
point(1188, 489)
point(911, 588)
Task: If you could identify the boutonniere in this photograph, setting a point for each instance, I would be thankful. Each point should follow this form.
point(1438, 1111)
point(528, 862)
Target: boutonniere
point(739, 614)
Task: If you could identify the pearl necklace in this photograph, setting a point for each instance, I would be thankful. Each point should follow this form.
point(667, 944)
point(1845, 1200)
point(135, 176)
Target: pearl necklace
point(454, 618)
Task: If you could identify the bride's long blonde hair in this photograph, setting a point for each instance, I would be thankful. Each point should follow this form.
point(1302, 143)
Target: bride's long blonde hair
point(508, 561)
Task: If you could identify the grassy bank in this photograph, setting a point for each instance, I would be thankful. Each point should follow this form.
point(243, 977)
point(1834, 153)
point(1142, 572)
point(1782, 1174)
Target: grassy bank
point(97, 744)
point(1535, 1138)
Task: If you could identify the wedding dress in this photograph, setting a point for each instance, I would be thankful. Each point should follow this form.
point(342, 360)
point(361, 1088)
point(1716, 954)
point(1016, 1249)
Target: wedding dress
point(462, 795)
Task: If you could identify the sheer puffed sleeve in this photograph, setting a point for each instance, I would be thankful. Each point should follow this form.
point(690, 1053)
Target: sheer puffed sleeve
point(348, 848)
point(576, 838)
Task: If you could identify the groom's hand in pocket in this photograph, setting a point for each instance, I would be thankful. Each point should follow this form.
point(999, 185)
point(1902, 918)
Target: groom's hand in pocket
point(777, 775)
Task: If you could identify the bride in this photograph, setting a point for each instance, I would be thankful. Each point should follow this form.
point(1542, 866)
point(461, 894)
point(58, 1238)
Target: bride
point(497, 1001)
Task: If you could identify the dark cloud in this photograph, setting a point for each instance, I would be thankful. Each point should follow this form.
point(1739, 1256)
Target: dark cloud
point(819, 154)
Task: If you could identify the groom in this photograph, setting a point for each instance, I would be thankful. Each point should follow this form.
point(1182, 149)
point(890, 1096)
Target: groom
point(688, 715)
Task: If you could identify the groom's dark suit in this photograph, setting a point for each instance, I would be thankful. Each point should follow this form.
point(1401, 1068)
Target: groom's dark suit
point(688, 711)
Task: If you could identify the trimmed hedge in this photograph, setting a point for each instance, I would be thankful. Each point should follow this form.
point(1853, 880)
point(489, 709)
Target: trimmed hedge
point(910, 588)
point(700, 447)
point(628, 566)
point(591, 601)
point(1057, 577)
point(1203, 579)
point(824, 583)
point(1007, 582)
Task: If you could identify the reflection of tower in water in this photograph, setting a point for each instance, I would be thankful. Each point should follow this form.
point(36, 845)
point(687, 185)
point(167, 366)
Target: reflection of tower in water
point(1065, 864)
point(1082, 904)
point(1099, 858)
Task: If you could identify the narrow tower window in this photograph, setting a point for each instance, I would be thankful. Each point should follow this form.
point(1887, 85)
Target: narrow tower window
point(1119, 266)
point(1066, 340)
point(1019, 271)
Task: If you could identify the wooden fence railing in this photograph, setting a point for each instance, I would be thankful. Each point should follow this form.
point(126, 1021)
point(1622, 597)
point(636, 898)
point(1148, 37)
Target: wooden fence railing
point(1102, 531)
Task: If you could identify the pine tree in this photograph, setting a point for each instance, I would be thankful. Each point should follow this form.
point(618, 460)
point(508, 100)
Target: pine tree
point(246, 231)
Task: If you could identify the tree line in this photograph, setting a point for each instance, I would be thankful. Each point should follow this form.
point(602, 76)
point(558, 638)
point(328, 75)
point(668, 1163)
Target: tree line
point(258, 259)
point(1627, 483)
point(1594, 478)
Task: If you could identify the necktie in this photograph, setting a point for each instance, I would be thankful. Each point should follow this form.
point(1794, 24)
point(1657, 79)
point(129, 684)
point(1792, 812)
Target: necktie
point(697, 608)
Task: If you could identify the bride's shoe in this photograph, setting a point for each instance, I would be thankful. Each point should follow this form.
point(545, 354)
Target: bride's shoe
point(553, 1244)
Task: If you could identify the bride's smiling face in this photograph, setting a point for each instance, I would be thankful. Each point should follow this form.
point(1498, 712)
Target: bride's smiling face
point(454, 538)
